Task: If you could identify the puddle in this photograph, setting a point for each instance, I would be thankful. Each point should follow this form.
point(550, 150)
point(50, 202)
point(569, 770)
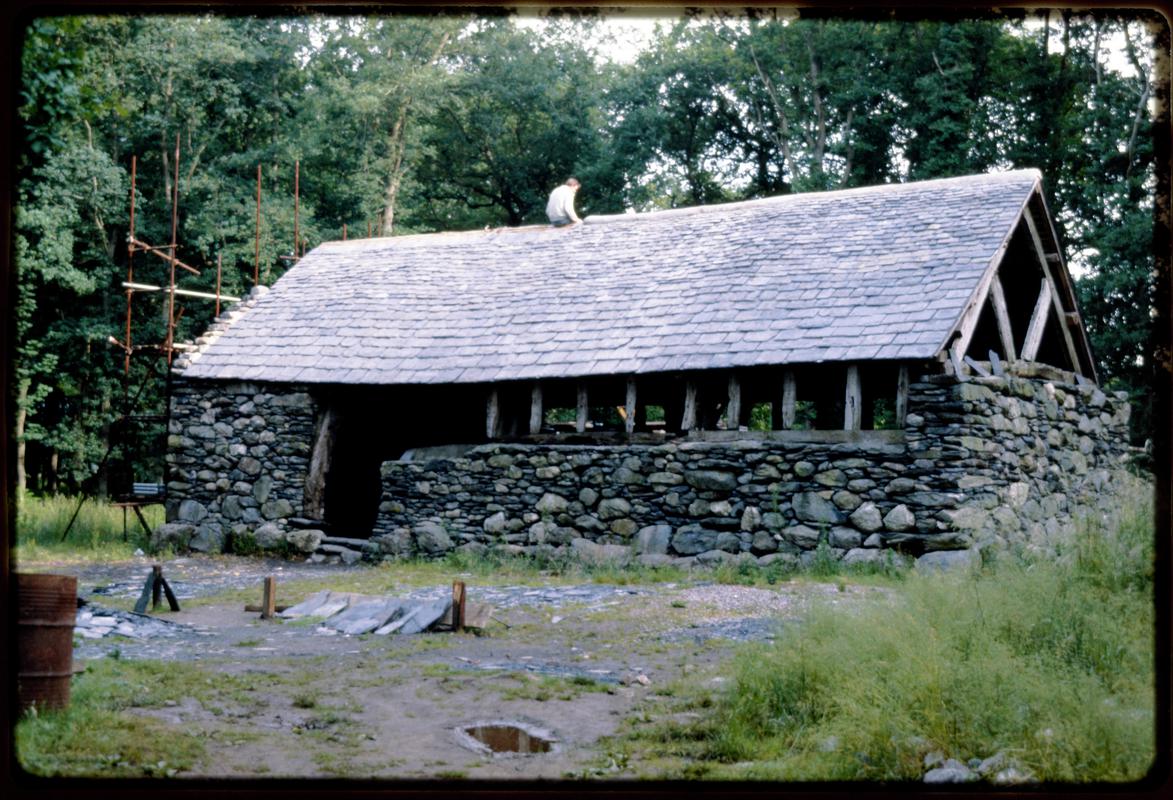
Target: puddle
point(506, 738)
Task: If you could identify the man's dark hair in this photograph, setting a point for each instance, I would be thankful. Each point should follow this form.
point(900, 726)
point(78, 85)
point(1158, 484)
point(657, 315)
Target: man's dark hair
point(572, 182)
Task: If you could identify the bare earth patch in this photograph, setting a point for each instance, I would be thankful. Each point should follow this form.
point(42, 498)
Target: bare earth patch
point(574, 660)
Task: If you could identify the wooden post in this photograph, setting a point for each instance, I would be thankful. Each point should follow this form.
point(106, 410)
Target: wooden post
point(140, 607)
point(580, 419)
point(852, 400)
point(156, 585)
point(458, 606)
point(493, 415)
point(789, 398)
point(1038, 322)
point(958, 364)
point(783, 408)
point(733, 407)
point(535, 409)
point(269, 598)
point(257, 254)
point(296, 202)
point(1005, 333)
point(1056, 300)
point(629, 407)
point(688, 418)
point(901, 395)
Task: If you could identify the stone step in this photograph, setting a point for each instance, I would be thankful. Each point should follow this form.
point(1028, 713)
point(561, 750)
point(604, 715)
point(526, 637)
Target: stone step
point(303, 522)
point(353, 544)
point(347, 554)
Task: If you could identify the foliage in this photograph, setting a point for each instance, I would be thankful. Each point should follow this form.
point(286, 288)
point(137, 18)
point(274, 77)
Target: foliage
point(1050, 663)
point(425, 122)
point(521, 113)
point(96, 533)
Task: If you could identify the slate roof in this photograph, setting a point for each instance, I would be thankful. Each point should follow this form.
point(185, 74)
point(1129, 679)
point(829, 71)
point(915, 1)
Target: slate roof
point(874, 273)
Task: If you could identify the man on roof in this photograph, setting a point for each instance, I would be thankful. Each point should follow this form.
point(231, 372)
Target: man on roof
point(560, 208)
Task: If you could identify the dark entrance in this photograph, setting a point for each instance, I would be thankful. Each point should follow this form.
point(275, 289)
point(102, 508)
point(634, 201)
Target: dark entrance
point(352, 487)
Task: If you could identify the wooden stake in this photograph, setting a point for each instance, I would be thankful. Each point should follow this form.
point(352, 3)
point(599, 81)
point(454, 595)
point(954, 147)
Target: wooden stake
point(140, 607)
point(269, 599)
point(172, 603)
point(255, 608)
point(156, 585)
point(458, 606)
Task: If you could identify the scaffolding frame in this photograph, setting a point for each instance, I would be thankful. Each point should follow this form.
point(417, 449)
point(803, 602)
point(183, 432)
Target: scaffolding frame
point(152, 494)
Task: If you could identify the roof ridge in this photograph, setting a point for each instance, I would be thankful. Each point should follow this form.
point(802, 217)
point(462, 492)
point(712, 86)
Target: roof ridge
point(674, 213)
point(597, 219)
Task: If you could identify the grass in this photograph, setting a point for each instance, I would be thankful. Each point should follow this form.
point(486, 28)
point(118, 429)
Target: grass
point(98, 735)
point(1049, 663)
point(96, 534)
point(552, 687)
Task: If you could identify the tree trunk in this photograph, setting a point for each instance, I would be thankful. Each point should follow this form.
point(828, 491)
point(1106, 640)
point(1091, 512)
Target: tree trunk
point(398, 145)
point(51, 478)
point(820, 139)
point(22, 393)
point(103, 485)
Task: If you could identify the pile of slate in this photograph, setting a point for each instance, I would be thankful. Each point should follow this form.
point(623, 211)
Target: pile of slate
point(95, 622)
point(353, 614)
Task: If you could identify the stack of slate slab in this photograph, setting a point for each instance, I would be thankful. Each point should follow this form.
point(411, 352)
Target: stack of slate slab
point(353, 614)
point(340, 550)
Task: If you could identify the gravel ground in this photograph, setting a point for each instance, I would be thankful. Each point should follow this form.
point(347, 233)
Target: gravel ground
point(712, 611)
point(399, 698)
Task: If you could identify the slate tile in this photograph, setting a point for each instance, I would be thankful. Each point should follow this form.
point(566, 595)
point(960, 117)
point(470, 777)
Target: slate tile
point(810, 276)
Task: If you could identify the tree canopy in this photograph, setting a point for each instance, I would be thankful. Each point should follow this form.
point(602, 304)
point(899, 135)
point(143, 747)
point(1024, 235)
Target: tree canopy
point(416, 123)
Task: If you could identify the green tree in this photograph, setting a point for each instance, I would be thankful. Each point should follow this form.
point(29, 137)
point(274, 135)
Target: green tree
point(519, 116)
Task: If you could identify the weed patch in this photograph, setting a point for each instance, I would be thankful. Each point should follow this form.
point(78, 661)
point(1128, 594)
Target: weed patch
point(1049, 662)
point(97, 736)
point(96, 535)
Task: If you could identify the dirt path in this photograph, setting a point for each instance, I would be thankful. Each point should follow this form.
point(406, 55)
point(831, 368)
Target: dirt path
point(573, 661)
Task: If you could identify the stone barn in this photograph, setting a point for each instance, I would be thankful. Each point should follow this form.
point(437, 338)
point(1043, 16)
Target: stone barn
point(900, 366)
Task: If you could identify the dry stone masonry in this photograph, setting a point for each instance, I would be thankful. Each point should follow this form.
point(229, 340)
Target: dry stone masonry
point(237, 458)
point(992, 462)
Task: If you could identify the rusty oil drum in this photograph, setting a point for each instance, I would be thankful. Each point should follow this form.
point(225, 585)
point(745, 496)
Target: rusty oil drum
point(46, 609)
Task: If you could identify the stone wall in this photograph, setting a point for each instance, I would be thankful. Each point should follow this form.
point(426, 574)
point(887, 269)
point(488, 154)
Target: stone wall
point(237, 458)
point(1024, 456)
point(991, 462)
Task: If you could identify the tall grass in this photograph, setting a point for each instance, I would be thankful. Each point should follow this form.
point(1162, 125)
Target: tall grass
point(1049, 663)
point(96, 533)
